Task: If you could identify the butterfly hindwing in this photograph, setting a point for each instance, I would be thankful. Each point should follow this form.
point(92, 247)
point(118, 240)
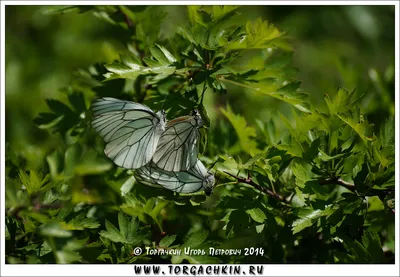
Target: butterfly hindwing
point(194, 180)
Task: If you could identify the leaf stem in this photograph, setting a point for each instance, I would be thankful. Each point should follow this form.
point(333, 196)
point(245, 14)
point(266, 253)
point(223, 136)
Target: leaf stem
point(264, 190)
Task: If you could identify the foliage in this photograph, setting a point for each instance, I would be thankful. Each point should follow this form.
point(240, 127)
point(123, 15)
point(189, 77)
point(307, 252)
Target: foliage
point(311, 183)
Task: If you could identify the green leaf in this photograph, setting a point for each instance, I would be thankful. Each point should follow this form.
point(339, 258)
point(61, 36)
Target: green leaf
point(290, 93)
point(219, 12)
point(375, 204)
point(343, 101)
point(163, 56)
point(196, 239)
point(299, 199)
point(72, 157)
point(259, 35)
point(325, 157)
point(48, 120)
point(167, 241)
point(196, 200)
point(361, 127)
point(274, 89)
point(54, 229)
point(35, 182)
point(60, 120)
point(387, 133)
point(245, 133)
point(312, 152)
point(301, 174)
point(123, 224)
point(238, 220)
point(67, 256)
point(362, 255)
point(127, 186)
point(44, 249)
point(260, 228)
point(77, 101)
point(112, 233)
point(203, 17)
point(91, 163)
point(132, 230)
point(310, 217)
point(257, 215)
point(344, 108)
point(81, 222)
point(129, 67)
point(372, 243)
point(55, 162)
point(63, 9)
point(127, 233)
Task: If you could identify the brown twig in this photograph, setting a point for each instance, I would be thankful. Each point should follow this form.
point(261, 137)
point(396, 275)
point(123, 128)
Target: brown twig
point(128, 22)
point(352, 187)
point(132, 26)
point(250, 182)
point(15, 211)
point(340, 182)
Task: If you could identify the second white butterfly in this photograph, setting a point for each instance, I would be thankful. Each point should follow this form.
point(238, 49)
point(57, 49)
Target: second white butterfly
point(178, 146)
point(194, 180)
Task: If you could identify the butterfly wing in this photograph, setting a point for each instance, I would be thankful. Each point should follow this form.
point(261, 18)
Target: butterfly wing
point(131, 130)
point(194, 180)
point(178, 146)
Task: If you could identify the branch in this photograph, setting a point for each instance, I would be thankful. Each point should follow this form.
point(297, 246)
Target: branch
point(352, 187)
point(131, 25)
point(127, 20)
point(37, 207)
point(264, 190)
point(340, 182)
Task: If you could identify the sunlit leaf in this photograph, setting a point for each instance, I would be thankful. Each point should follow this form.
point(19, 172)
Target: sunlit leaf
point(245, 133)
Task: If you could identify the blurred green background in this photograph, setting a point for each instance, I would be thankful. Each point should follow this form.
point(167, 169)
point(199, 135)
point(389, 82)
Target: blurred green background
point(348, 46)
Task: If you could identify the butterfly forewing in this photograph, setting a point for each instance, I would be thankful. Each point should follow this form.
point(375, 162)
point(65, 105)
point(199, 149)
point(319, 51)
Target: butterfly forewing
point(178, 146)
point(109, 104)
point(131, 130)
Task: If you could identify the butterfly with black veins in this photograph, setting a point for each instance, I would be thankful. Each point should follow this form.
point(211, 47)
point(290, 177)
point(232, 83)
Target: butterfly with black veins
point(131, 130)
point(178, 146)
point(193, 180)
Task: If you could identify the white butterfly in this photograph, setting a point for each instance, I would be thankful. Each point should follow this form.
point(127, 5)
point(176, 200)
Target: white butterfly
point(178, 146)
point(131, 130)
point(194, 180)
